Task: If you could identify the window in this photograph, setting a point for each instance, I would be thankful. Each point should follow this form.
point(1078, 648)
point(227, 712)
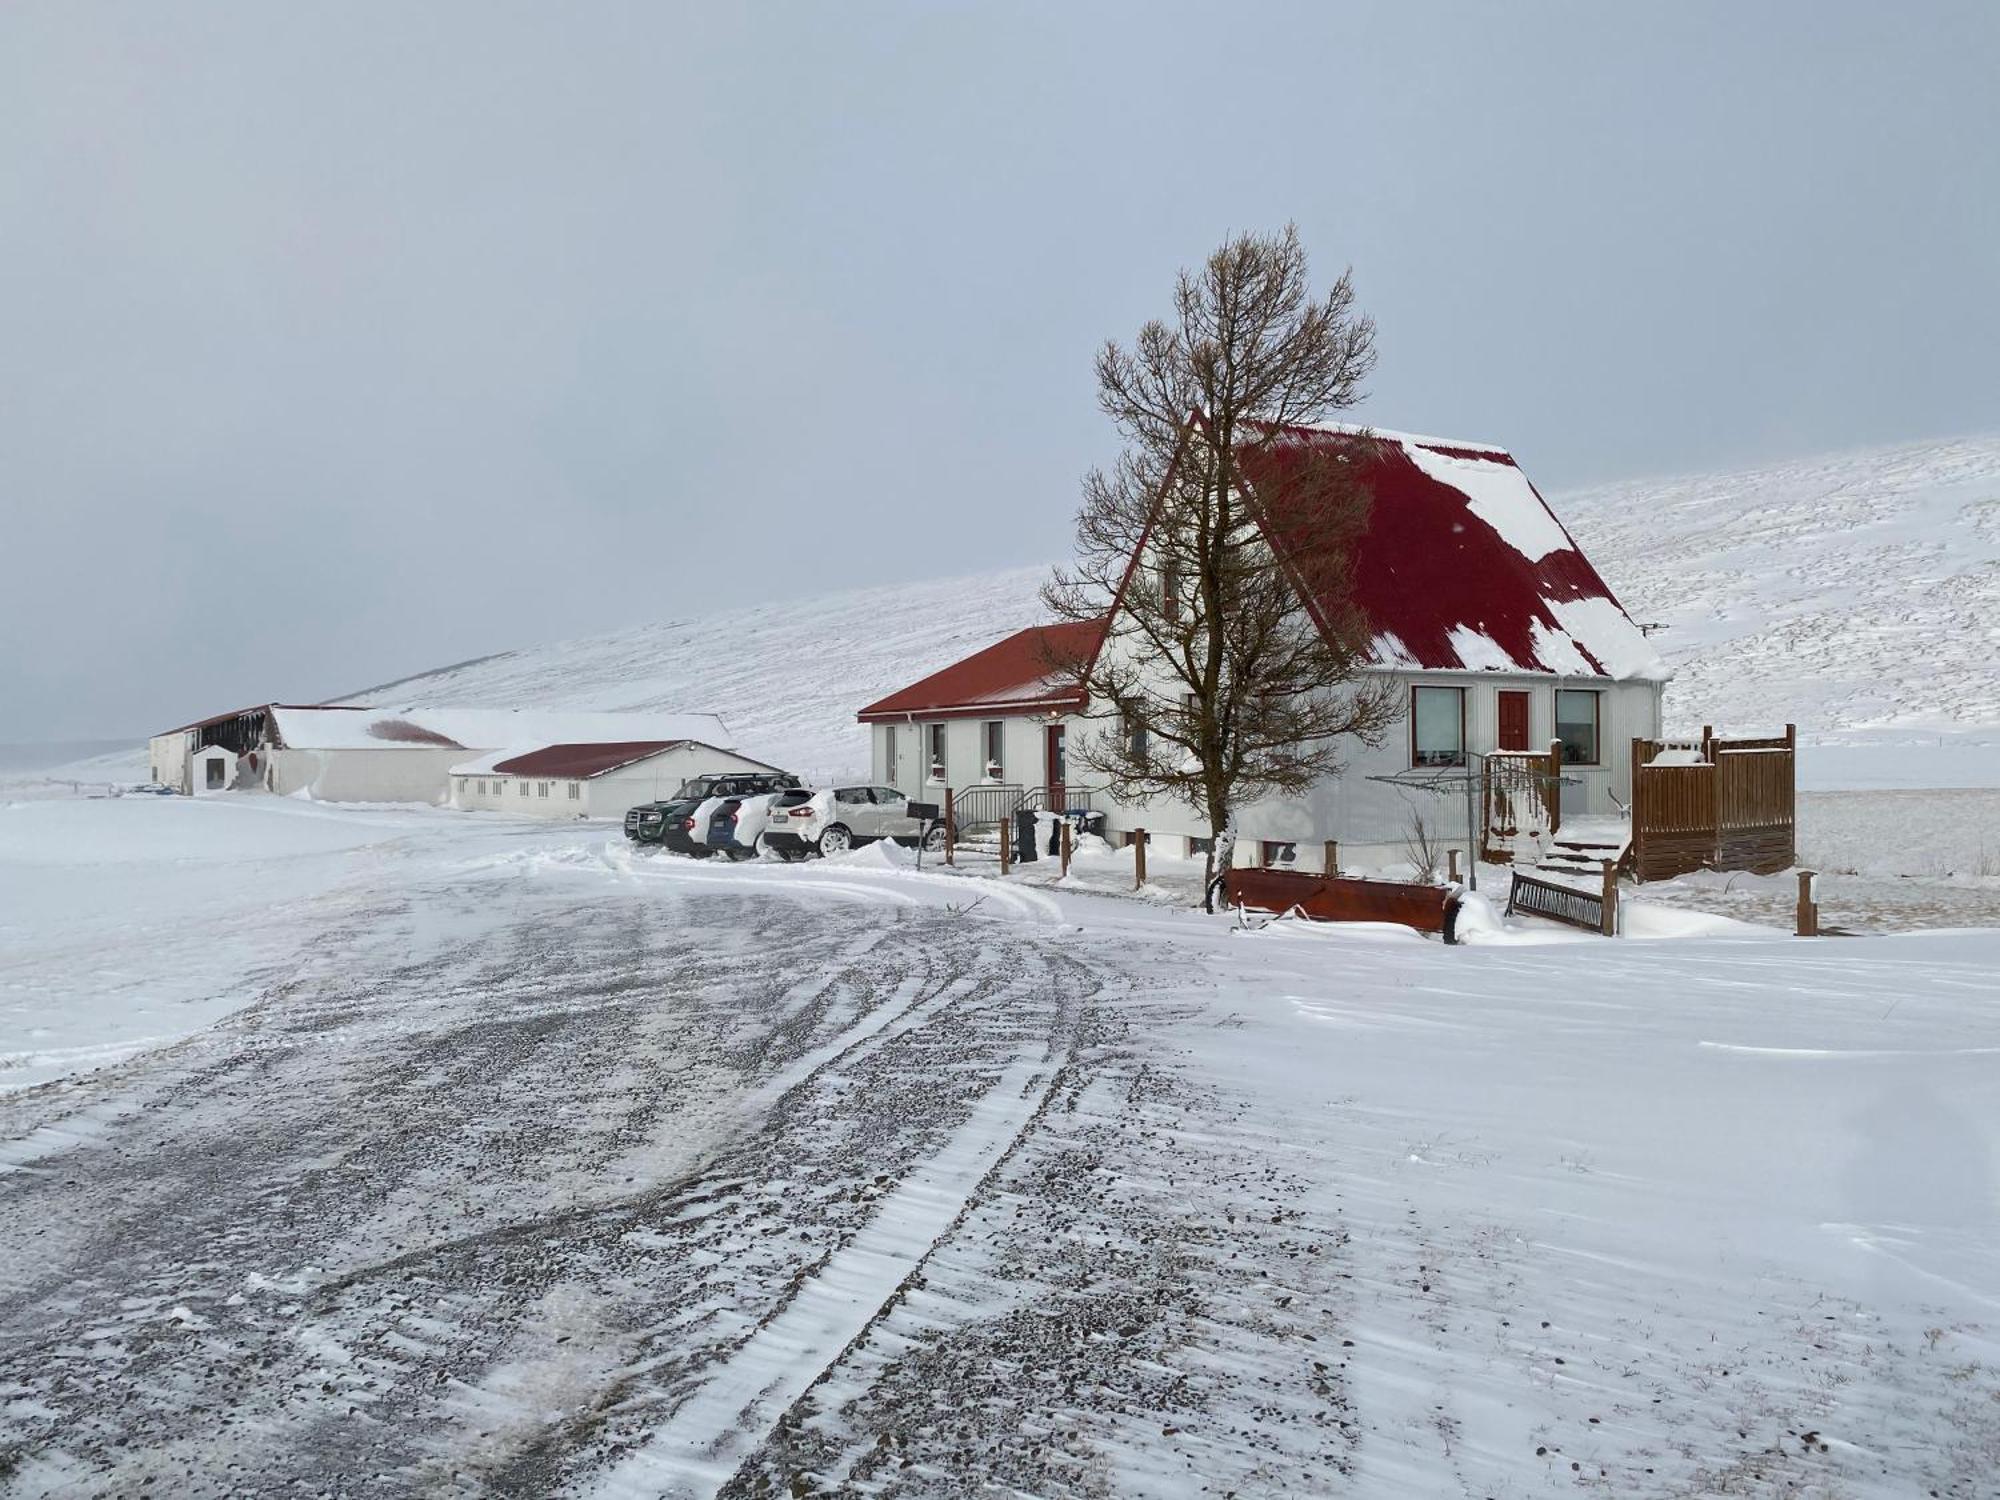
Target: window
point(576, 791)
point(1170, 589)
point(1276, 852)
point(889, 751)
point(993, 732)
point(852, 796)
point(214, 774)
point(1437, 726)
point(1200, 847)
point(935, 734)
point(1136, 738)
point(523, 786)
point(1577, 726)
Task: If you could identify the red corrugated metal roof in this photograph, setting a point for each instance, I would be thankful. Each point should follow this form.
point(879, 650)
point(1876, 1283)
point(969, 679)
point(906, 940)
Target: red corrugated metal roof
point(1463, 566)
point(581, 762)
point(1022, 674)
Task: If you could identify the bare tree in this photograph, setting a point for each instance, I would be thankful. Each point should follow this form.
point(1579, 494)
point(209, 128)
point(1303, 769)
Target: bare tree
point(1233, 663)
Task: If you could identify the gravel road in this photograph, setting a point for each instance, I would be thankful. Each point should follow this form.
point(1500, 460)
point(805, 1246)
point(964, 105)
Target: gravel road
point(522, 1188)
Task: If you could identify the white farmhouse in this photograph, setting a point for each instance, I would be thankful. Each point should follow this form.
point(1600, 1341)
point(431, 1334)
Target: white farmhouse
point(1509, 647)
point(398, 754)
point(587, 780)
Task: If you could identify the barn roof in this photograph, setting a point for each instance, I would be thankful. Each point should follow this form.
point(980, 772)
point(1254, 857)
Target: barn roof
point(1463, 566)
point(450, 728)
point(1022, 674)
point(580, 762)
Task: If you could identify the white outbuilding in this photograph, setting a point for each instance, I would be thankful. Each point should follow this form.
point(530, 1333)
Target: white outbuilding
point(587, 780)
point(212, 769)
point(352, 753)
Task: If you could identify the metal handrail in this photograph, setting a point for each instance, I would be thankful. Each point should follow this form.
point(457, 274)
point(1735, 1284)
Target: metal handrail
point(985, 805)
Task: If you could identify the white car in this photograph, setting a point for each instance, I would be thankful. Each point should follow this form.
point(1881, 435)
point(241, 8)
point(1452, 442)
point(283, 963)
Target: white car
point(844, 817)
point(733, 825)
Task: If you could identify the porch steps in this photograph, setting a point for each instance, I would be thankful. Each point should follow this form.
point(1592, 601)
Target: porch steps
point(1584, 854)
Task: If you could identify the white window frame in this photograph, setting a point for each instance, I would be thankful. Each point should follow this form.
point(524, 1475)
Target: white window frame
point(1596, 696)
point(937, 749)
point(993, 742)
point(1417, 754)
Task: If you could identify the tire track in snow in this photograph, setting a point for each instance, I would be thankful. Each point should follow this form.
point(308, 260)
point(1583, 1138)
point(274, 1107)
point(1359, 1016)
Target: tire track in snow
point(714, 1429)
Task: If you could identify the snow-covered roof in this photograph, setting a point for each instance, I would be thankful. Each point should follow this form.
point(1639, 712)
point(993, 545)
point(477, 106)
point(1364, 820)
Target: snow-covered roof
point(413, 728)
point(1463, 566)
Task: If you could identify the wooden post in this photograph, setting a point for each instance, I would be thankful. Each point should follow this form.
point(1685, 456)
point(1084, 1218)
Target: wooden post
point(1451, 856)
point(1006, 842)
point(1808, 904)
point(1065, 846)
point(1555, 798)
point(1138, 858)
point(1332, 865)
point(1610, 927)
point(950, 827)
point(1708, 743)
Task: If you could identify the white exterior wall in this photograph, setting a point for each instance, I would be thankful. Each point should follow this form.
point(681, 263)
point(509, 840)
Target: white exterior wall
point(1367, 818)
point(654, 780)
point(168, 756)
point(197, 770)
point(1023, 755)
point(407, 773)
point(606, 796)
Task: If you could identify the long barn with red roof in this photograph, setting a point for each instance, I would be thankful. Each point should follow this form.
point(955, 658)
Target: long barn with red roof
point(1502, 635)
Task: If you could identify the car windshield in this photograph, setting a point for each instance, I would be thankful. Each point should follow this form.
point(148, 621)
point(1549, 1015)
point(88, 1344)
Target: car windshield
point(696, 788)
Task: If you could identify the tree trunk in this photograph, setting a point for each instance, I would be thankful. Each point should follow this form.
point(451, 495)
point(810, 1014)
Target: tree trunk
point(1221, 854)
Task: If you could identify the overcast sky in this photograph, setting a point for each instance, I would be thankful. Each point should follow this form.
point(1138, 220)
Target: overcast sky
point(337, 343)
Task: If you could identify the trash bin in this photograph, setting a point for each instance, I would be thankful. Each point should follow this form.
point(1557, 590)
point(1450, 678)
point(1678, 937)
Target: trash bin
point(1088, 822)
point(1024, 834)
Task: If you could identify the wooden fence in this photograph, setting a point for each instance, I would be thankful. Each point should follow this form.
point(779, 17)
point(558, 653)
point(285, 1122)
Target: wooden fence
point(1715, 805)
point(1594, 911)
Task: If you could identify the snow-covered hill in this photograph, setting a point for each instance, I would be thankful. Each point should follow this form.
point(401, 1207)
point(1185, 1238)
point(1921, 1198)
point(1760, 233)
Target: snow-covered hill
point(787, 677)
point(1847, 593)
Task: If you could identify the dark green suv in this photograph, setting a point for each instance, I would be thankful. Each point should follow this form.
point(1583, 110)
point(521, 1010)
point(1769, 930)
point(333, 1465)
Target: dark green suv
point(671, 823)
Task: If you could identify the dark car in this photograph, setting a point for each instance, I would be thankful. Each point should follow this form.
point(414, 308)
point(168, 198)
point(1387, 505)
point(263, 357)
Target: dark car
point(671, 823)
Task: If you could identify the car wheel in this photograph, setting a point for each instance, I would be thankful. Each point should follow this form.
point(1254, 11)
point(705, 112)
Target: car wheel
point(835, 840)
point(934, 840)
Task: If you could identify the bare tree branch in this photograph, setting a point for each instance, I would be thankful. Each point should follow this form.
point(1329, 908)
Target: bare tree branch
point(1236, 661)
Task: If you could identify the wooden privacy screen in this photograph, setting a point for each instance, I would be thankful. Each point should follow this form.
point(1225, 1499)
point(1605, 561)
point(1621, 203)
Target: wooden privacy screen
point(1734, 810)
point(1330, 898)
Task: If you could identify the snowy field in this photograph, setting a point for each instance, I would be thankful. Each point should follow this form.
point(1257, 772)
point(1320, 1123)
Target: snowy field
point(507, 1160)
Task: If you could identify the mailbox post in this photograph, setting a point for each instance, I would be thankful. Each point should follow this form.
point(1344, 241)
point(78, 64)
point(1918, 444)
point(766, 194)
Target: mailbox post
point(926, 814)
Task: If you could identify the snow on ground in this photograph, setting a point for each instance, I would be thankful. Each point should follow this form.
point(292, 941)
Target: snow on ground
point(537, 1164)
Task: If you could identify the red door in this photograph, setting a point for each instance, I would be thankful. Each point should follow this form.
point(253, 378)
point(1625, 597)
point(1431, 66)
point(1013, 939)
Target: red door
point(1513, 721)
point(1056, 769)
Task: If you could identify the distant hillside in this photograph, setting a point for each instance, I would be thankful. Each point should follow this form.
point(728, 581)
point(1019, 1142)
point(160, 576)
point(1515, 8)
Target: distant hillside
point(1852, 592)
point(1842, 593)
point(786, 677)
